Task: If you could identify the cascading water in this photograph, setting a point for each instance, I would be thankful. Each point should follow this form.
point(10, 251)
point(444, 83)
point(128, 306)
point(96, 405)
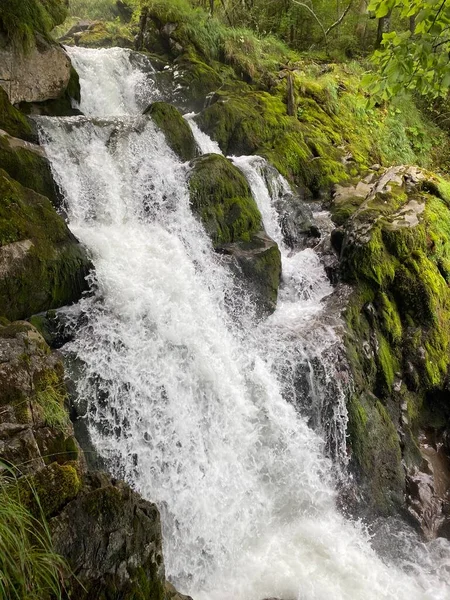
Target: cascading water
point(183, 402)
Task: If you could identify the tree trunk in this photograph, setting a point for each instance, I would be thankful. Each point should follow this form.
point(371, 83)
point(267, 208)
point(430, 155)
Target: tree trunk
point(290, 96)
point(384, 26)
point(361, 25)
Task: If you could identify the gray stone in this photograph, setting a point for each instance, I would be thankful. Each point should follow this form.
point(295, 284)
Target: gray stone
point(39, 75)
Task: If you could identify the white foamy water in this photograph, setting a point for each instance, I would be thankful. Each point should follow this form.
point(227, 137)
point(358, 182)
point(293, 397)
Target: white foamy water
point(186, 405)
point(204, 142)
point(110, 86)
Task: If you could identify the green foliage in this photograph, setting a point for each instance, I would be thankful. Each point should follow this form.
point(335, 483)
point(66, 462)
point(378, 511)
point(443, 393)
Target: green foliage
point(20, 20)
point(29, 567)
point(417, 60)
point(251, 56)
point(97, 9)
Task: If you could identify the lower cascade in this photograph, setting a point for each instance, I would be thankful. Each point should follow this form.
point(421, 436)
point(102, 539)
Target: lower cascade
point(234, 425)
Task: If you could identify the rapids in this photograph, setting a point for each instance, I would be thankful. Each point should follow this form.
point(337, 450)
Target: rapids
point(188, 398)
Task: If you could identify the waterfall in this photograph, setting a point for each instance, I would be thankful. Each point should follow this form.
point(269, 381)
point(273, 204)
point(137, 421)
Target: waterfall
point(184, 402)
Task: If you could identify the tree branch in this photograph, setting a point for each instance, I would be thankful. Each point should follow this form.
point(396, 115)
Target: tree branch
point(315, 16)
point(341, 18)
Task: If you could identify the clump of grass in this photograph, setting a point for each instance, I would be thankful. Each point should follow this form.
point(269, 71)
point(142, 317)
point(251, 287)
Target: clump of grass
point(50, 396)
point(29, 567)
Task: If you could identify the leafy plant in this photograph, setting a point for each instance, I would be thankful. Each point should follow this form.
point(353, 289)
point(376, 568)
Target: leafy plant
point(415, 59)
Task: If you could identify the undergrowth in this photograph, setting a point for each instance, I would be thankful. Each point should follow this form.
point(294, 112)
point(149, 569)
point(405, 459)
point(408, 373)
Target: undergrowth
point(29, 567)
point(20, 20)
point(104, 10)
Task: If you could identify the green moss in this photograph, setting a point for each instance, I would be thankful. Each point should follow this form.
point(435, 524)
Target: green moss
point(28, 167)
point(390, 321)
point(12, 120)
point(197, 79)
point(387, 366)
point(21, 20)
point(369, 260)
point(379, 464)
point(50, 489)
point(106, 35)
point(176, 130)
point(220, 196)
point(49, 267)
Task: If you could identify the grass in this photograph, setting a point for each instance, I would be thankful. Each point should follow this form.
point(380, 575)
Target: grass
point(29, 567)
point(50, 396)
point(22, 19)
point(252, 57)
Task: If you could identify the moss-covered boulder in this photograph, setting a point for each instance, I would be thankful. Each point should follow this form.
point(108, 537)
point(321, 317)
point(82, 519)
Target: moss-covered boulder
point(221, 197)
point(99, 35)
point(26, 163)
point(257, 264)
point(12, 120)
point(256, 122)
point(42, 265)
point(395, 251)
point(176, 130)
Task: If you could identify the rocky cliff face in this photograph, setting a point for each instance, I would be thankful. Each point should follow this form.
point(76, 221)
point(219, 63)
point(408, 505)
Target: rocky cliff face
point(393, 241)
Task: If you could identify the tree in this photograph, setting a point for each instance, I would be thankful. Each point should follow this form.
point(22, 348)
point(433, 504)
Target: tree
point(417, 58)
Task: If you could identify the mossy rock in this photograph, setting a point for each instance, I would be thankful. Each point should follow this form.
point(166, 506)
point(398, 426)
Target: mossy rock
point(46, 492)
point(221, 198)
point(111, 538)
point(98, 36)
point(395, 251)
point(256, 122)
point(13, 121)
point(42, 265)
point(28, 165)
point(177, 132)
point(196, 80)
point(376, 451)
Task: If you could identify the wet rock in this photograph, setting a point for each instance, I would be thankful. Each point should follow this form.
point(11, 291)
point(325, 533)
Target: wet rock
point(111, 538)
point(258, 265)
point(221, 198)
point(42, 265)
